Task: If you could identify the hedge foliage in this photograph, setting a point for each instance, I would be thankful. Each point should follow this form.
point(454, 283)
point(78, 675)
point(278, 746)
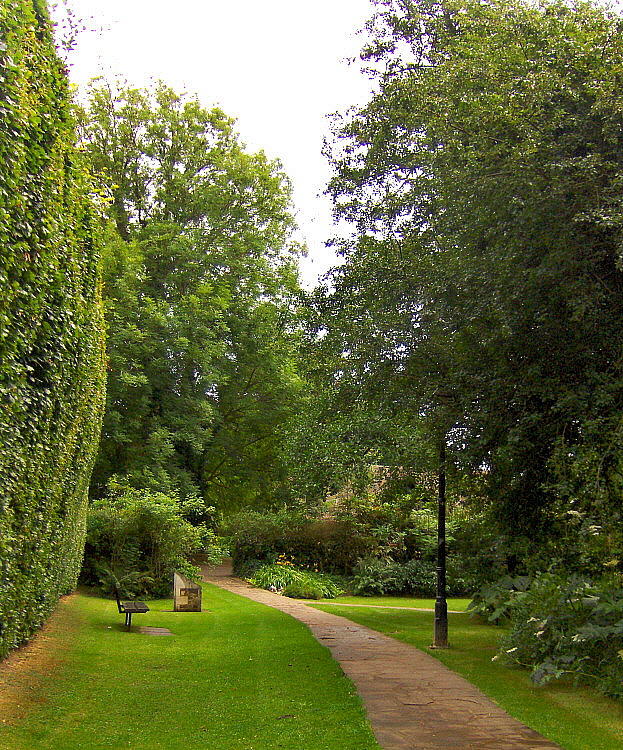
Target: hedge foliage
point(52, 377)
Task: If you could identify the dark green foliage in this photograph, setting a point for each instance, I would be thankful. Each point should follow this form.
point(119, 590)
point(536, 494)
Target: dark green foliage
point(482, 182)
point(373, 576)
point(51, 327)
point(481, 298)
point(377, 576)
point(303, 590)
point(389, 549)
point(136, 539)
point(494, 601)
point(569, 627)
point(329, 545)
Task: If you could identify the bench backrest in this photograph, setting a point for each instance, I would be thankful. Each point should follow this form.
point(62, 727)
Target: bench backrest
point(119, 607)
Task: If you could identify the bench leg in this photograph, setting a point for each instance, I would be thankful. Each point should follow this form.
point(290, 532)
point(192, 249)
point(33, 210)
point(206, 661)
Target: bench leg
point(128, 619)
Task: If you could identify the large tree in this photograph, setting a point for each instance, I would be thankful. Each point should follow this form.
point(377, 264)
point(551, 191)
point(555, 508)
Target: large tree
point(200, 288)
point(483, 184)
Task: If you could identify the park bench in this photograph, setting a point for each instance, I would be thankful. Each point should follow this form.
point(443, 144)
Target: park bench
point(130, 608)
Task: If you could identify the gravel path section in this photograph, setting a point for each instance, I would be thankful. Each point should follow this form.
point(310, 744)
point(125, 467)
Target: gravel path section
point(413, 701)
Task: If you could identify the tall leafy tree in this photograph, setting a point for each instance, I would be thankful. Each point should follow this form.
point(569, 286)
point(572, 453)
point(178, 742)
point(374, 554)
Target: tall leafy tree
point(200, 292)
point(483, 184)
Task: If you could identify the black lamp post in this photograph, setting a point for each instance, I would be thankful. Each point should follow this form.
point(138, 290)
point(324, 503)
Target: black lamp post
point(440, 636)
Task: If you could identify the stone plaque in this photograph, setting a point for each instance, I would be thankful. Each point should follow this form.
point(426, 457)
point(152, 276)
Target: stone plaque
point(186, 594)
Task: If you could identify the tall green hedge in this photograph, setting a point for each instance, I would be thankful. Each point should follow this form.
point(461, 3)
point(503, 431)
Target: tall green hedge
point(51, 327)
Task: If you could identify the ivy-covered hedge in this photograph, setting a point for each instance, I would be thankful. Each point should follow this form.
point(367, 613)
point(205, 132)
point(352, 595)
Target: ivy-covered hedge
point(51, 327)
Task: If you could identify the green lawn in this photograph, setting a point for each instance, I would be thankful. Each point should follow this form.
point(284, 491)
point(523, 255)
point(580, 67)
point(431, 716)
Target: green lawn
point(575, 718)
point(459, 605)
point(240, 676)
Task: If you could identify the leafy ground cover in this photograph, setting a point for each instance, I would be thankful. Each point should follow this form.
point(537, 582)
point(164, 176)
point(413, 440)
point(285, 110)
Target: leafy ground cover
point(238, 675)
point(460, 605)
point(576, 718)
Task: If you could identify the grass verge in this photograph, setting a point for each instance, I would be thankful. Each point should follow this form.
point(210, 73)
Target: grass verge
point(459, 605)
point(575, 718)
point(240, 676)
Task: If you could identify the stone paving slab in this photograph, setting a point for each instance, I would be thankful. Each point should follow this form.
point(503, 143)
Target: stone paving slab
point(148, 630)
point(413, 701)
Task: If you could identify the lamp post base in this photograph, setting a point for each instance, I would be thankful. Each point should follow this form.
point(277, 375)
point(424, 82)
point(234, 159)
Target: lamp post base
point(440, 635)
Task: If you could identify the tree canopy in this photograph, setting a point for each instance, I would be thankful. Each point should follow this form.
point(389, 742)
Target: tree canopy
point(200, 294)
point(482, 182)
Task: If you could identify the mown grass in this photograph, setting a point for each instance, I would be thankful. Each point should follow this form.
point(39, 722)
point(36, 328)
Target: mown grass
point(575, 718)
point(240, 676)
point(460, 605)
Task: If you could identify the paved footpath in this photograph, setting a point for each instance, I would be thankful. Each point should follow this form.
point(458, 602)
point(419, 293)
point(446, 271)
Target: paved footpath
point(413, 701)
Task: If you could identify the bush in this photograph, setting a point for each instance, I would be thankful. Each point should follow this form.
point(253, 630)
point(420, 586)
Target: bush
point(139, 538)
point(282, 577)
point(52, 371)
point(213, 548)
point(275, 577)
point(255, 537)
point(495, 601)
point(377, 577)
point(332, 546)
point(303, 590)
point(569, 627)
point(248, 568)
point(415, 577)
point(420, 577)
point(397, 544)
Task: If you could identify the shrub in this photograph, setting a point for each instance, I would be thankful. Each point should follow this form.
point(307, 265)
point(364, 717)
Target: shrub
point(419, 577)
point(329, 545)
point(379, 577)
point(213, 548)
point(248, 568)
point(495, 601)
point(282, 577)
point(128, 585)
point(569, 627)
point(139, 538)
point(376, 577)
point(275, 577)
point(255, 536)
point(303, 590)
point(406, 539)
point(52, 374)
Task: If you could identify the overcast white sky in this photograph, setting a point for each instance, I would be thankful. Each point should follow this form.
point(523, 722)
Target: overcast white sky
point(277, 66)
